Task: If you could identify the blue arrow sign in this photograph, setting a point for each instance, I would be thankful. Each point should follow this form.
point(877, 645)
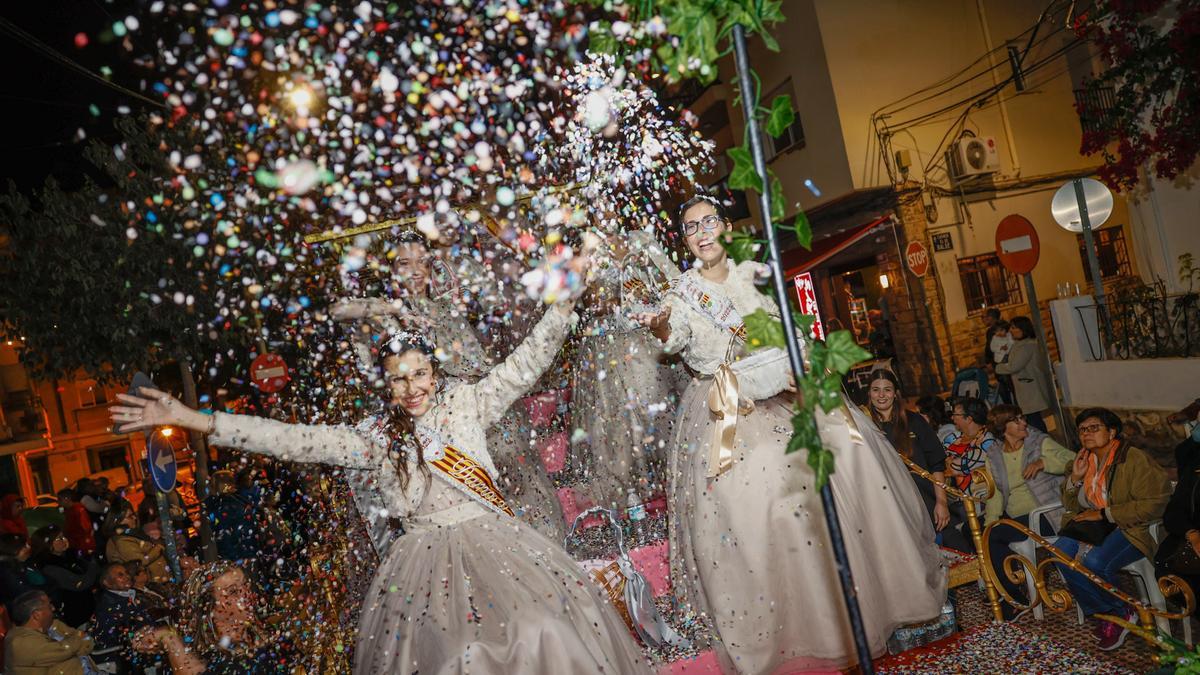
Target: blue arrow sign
point(161, 458)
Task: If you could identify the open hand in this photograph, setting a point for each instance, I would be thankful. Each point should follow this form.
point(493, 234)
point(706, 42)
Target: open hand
point(941, 516)
point(153, 408)
point(659, 324)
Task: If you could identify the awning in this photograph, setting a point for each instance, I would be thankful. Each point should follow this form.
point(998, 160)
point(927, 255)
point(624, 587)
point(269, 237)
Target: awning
point(800, 260)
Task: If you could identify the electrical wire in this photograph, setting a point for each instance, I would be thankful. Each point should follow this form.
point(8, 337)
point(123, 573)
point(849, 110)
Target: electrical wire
point(46, 50)
point(1032, 31)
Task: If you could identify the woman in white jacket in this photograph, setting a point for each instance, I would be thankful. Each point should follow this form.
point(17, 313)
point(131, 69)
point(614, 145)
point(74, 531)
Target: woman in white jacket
point(469, 588)
point(748, 541)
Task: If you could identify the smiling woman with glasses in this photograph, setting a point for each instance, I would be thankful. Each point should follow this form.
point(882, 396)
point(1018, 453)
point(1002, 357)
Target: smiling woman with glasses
point(1115, 491)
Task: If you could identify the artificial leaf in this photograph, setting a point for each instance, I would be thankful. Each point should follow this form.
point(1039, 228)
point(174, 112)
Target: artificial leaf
point(739, 245)
point(821, 461)
point(842, 352)
point(743, 176)
point(804, 323)
point(781, 116)
point(803, 230)
point(777, 202)
point(804, 431)
point(763, 330)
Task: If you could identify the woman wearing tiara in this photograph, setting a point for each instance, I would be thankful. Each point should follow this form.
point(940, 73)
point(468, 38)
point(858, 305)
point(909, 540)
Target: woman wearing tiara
point(469, 588)
point(748, 540)
point(624, 389)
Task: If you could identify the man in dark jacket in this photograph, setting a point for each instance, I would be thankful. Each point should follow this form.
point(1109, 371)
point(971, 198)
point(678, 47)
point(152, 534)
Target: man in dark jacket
point(120, 615)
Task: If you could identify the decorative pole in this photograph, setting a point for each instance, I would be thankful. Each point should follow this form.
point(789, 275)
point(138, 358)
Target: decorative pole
point(849, 594)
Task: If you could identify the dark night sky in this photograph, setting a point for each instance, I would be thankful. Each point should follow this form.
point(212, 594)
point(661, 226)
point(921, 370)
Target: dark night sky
point(45, 103)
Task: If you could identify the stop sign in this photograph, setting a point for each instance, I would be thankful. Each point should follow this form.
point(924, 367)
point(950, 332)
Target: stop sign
point(917, 257)
point(269, 373)
point(1017, 244)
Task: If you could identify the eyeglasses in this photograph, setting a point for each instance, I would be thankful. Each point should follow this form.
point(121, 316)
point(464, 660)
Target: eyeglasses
point(1090, 428)
point(710, 222)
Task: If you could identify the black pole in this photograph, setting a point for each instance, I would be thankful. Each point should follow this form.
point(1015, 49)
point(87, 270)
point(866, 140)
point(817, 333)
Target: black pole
point(745, 83)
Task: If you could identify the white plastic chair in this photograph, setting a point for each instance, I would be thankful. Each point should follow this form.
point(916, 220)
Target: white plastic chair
point(1027, 549)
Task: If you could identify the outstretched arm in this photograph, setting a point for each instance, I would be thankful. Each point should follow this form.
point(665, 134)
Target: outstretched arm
point(322, 444)
point(510, 380)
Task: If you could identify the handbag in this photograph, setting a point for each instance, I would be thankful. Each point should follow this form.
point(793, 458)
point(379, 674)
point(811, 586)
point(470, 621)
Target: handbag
point(629, 591)
point(1092, 532)
point(1184, 560)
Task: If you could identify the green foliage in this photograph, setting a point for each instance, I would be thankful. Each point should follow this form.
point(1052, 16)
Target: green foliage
point(781, 116)
point(803, 230)
point(739, 245)
point(87, 296)
point(763, 330)
point(601, 39)
point(743, 176)
point(778, 205)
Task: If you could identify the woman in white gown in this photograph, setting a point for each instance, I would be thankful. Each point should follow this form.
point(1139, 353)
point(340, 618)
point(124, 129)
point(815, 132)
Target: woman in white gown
point(625, 389)
point(469, 588)
point(748, 539)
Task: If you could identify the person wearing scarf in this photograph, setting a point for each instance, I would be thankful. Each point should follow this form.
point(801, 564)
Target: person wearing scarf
point(1111, 481)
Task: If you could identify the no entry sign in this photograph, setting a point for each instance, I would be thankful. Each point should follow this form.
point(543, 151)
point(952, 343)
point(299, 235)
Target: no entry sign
point(917, 257)
point(1017, 244)
point(269, 373)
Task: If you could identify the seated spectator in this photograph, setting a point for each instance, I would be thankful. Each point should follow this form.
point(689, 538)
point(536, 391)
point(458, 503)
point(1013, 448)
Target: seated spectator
point(77, 523)
point(1028, 468)
point(12, 518)
point(121, 616)
point(153, 601)
point(69, 578)
point(913, 438)
point(233, 519)
point(222, 619)
point(1179, 552)
point(40, 643)
point(1113, 494)
point(937, 414)
point(17, 576)
point(126, 543)
point(967, 452)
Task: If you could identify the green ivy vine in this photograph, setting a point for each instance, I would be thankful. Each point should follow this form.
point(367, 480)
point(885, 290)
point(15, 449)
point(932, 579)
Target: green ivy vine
point(684, 39)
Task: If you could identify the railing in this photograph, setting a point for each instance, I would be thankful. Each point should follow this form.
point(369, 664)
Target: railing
point(1094, 105)
point(1018, 568)
point(1148, 326)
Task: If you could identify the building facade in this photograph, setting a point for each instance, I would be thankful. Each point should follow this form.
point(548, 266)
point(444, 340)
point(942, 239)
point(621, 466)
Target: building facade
point(931, 122)
point(54, 433)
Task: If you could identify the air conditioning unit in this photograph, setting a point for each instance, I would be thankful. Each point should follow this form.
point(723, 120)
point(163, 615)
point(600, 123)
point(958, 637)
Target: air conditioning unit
point(973, 156)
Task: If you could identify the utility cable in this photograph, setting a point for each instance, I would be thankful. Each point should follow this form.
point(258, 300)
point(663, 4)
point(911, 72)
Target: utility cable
point(46, 50)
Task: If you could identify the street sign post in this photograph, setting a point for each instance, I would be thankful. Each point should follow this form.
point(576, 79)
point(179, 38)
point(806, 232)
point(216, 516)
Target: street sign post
point(917, 257)
point(1081, 206)
point(269, 372)
point(1019, 249)
point(163, 470)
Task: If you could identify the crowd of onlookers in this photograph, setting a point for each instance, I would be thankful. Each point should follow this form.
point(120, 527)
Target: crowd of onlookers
point(99, 593)
point(1107, 505)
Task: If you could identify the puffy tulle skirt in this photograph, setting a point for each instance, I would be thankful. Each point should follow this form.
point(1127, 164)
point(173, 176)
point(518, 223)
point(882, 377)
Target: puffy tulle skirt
point(469, 591)
point(625, 396)
point(750, 547)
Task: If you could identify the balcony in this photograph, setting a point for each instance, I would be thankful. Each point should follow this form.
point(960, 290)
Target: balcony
point(1094, 105)
point(22, 422)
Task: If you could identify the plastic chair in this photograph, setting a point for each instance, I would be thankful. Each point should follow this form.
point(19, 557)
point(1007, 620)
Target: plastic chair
point(1027, 549)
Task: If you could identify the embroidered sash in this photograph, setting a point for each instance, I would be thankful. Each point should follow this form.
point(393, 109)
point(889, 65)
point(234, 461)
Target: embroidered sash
point(461, 471)
point(467, 474)
point(720, 311)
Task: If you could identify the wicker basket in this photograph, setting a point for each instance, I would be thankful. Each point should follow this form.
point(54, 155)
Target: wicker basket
point(613, 581)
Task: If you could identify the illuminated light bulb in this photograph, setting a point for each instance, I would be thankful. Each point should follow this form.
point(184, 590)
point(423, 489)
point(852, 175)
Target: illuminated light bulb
point(301, 98)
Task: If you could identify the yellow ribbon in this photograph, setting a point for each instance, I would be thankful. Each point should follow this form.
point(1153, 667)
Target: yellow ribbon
point(723, 402)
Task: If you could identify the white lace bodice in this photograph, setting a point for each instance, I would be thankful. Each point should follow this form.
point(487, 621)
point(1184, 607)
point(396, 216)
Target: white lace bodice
point(459, 418)
point(702, 344)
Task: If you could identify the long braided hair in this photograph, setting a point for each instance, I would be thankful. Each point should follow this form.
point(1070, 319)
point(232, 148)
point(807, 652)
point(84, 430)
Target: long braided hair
point(400, 426)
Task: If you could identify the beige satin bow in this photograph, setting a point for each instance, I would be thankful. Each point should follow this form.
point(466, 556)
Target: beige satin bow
point(723, 402)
